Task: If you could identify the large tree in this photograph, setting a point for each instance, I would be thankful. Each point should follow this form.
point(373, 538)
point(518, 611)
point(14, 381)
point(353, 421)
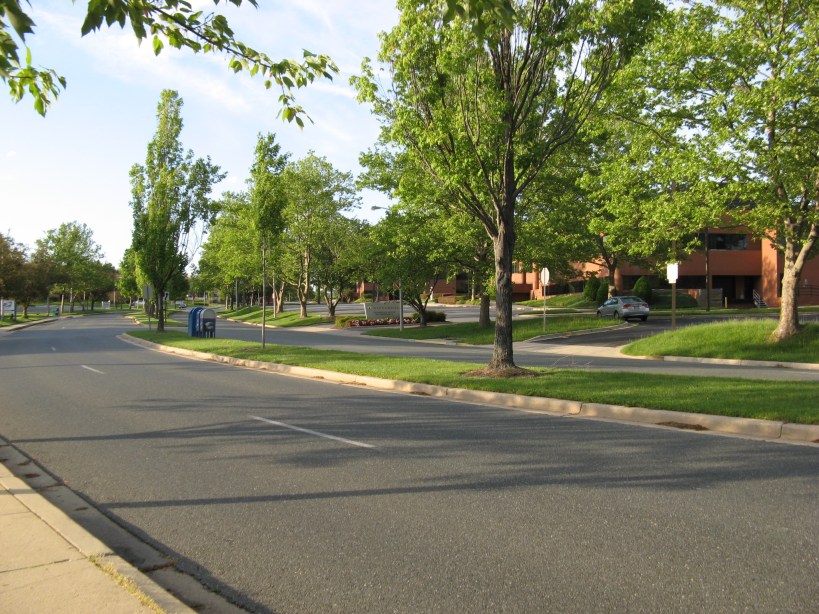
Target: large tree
point(409, 251)
point(12, 259)
point(316, 195)
point(484, 114)
point(743, 75)
point(171, 202)
point(72, 259)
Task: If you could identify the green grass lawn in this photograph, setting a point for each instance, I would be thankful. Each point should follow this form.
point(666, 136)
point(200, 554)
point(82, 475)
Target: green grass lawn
point(566, 301)
point(285, 319)
point(32, 317)
point(795, 401)
point(142, 317)
point(471, 333)
point(744, 339)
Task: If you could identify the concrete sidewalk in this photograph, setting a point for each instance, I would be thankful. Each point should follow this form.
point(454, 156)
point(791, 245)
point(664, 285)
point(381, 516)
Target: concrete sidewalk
point(48, 563)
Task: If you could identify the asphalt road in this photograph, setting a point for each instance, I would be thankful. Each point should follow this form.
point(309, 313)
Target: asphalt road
point(414, 504)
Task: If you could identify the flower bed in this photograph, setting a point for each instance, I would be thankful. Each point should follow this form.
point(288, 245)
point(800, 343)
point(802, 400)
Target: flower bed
point(381, 322)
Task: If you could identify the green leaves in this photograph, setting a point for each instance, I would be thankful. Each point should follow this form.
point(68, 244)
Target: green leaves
point(171, 22)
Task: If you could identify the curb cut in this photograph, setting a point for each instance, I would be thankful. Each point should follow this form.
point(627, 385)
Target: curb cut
point(766, 429)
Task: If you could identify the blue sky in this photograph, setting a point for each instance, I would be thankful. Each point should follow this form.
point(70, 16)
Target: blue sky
point(73, 164)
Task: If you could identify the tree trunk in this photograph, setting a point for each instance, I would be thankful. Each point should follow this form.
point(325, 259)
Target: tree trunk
point(160, 312)
point(789, 307)
point(479, 289)
point(788, 310)
point(483, 316)
point(504, 243)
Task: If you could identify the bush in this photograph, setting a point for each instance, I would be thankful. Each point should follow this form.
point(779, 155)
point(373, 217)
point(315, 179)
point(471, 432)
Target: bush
point(590, 290)
point(602, 293)
point(366, 297)
point(643, 289)
point(432, 316)
point(662, 300)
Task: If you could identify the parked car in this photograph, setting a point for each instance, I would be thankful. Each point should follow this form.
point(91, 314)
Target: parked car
point(180, 304)
point(624, 308)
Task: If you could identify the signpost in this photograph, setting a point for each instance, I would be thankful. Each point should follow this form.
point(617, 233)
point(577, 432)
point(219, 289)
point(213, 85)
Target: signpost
point(544, 281)
point(672, 272)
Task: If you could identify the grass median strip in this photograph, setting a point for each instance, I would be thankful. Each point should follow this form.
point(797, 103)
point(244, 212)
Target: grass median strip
point(771, 400)
point(745, 339)
point(471, 333)
point(283, 319)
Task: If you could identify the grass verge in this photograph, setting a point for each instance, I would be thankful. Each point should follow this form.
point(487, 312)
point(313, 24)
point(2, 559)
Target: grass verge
point(142, 318)
point(567, 301)
point(795, 401)
point(472, 334)
point(34, 317)
point(740, 339)
point(285, 319)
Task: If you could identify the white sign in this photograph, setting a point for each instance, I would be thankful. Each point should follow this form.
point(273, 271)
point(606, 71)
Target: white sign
point(544, 276)
point(382, 311)
point(8, 307)
point(672, 271)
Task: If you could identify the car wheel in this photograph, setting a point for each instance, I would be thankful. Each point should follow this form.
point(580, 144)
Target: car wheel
point(618, 315)
point(599, 315)
point(644, 318)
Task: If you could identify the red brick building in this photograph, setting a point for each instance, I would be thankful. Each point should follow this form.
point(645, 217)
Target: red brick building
point(738, 264)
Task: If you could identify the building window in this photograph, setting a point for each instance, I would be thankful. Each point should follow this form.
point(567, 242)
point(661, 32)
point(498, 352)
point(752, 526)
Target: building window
point(728, 241)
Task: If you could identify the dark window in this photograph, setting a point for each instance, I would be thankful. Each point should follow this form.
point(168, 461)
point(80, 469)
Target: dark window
point(727, 241)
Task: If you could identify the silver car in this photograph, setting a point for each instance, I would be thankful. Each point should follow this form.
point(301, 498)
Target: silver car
point(624, 307)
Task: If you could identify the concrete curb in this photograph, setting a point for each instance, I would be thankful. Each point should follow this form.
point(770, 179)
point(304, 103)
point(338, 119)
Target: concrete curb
point(741, 362)
point(88, 546)
point(775, 430)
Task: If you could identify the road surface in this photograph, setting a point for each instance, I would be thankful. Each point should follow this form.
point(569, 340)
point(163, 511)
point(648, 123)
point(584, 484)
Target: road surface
point(290, 495)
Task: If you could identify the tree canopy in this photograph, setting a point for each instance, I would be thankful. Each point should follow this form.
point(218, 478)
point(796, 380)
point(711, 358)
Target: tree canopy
point(170, 201)
point(484, 115)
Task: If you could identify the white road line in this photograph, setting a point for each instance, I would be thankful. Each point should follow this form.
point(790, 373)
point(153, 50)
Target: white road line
point(316, 433)
point(91, 369)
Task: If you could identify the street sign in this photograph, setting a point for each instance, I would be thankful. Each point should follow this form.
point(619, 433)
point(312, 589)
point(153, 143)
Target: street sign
point(672, 272)
point(544, 281)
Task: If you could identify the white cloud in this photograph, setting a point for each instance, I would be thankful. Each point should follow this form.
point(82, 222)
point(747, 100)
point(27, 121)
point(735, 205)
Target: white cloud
point(104, 120)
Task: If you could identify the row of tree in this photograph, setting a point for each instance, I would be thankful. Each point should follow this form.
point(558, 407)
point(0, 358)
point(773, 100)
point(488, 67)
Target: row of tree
point(530, 130)
point(625, 125)
point(66, 264)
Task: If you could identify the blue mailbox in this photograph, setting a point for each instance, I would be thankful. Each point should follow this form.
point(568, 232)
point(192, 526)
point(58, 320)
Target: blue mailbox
point(194, 322)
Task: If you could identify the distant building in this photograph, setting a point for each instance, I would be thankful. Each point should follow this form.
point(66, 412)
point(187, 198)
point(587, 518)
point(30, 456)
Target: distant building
point(744, 270)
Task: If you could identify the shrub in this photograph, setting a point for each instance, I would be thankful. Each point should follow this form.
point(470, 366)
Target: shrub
point(590, 290)
point(432, 316)
point(602, 293)
point(643, 289)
